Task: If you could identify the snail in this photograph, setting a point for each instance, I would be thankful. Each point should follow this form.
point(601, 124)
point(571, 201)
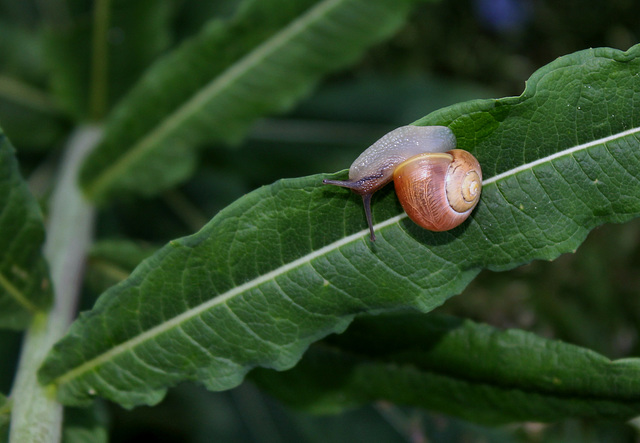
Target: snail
point(437, 185)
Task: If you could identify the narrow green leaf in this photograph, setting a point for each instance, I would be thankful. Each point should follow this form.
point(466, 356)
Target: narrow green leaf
point(290, 263)
point(137, 32)
point(212, 87)
point(461, 368)
point(24, 281)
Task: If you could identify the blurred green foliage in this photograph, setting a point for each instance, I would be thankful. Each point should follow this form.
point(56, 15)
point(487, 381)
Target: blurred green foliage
point(449, 52)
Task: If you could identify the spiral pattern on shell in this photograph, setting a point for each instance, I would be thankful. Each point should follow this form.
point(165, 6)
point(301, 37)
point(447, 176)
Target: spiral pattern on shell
point(437, 185)
point(438, 191)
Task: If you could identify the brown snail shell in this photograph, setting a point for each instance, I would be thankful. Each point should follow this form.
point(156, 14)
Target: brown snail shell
point(437, 185)
point(439, 191)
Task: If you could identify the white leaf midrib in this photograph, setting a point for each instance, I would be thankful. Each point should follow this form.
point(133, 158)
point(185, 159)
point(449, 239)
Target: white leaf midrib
point(358, 236)
point(563, 153)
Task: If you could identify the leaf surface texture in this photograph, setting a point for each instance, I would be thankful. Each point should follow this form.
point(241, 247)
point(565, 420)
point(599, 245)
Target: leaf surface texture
point(291, 262)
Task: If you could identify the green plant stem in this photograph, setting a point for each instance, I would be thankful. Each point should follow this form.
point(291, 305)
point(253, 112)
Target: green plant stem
point(100, 60)
point(36, 415)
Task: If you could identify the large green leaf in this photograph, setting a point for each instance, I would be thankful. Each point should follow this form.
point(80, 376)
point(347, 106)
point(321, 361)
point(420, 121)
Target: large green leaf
point(24, 280)
point(291, 262)
point(213, 86)
point(459, 367)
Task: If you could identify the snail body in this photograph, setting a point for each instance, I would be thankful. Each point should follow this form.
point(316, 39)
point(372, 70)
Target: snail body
point(437, 185)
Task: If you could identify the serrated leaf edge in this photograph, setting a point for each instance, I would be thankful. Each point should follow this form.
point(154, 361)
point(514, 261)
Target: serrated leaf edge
point(219, 300)
point(361, 235)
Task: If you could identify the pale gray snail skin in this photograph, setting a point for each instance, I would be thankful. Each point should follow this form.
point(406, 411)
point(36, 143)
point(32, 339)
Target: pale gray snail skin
point(437, 185)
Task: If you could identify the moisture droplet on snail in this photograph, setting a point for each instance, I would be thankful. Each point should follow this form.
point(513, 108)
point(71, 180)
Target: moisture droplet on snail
point(437, 185)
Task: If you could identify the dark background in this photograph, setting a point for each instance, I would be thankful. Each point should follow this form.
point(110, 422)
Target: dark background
point(448, 52)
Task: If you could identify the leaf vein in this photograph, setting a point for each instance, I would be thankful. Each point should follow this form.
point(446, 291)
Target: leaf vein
point(564, 152)
point(284, 295)
point(304, 260)
point(244, 325)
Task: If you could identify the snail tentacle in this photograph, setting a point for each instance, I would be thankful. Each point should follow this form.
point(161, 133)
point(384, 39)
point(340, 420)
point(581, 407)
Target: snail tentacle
point(437, 184)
